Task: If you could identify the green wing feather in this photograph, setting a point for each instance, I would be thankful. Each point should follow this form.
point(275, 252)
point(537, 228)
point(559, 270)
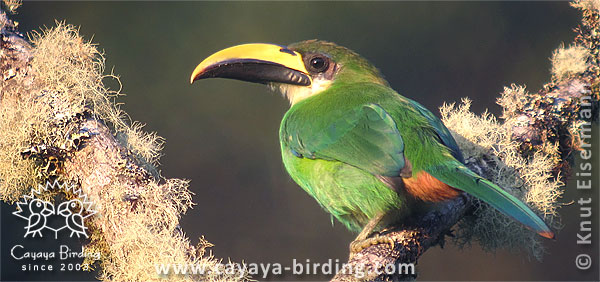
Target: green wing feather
point(366, 137)
point(460, 177)
point(441, 130)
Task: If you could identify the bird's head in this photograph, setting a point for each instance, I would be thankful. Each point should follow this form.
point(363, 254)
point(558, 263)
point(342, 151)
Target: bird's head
point(71, 207)
point(299, 71)
point(41, 207)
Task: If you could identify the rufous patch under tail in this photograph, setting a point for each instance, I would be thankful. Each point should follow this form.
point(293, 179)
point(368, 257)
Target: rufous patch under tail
point(427, 188)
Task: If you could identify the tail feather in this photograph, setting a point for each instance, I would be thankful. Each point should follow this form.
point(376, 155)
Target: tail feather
point(460, 177)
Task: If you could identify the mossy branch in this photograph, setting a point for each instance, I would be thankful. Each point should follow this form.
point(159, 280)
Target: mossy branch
point(60, 123)
point(528, 153)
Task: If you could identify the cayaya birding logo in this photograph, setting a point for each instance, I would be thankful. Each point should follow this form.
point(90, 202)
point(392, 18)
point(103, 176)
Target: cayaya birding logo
point(69, 214)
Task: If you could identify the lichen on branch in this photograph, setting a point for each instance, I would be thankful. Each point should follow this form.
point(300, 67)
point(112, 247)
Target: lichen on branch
point(487, 144)
point(528, 151)
point(61, 123)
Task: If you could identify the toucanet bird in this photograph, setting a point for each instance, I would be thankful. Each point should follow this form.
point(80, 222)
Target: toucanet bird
point(362, 150)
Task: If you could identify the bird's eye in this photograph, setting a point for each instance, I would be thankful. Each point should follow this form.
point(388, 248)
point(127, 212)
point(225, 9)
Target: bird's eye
point(318, 64)
point(38, 204)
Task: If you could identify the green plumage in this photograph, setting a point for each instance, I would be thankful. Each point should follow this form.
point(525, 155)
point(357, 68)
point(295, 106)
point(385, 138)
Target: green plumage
point(335, 151)
point(353, 143)
point(337, 145)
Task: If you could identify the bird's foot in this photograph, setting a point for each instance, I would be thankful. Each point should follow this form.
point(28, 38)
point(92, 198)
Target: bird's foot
point(358, 245)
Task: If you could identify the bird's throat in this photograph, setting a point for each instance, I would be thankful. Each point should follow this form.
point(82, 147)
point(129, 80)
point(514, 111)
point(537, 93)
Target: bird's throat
point(296, 93)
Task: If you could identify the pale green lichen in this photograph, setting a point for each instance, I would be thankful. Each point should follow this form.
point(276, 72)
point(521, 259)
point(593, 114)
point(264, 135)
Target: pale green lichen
point(587, 4)
point(488, 143)
point(12, 5)
point(66, 80)
point(568, 62)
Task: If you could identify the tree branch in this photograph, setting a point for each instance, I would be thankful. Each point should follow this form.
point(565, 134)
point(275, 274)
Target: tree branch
point(59, 124)
point(550, 116)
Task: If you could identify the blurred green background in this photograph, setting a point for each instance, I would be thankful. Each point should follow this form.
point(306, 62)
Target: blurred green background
point(222, 134)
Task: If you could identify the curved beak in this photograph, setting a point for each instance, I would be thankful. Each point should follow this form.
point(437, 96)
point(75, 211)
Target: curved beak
point(63, 209)
point(257, 62)
point(48, 209)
